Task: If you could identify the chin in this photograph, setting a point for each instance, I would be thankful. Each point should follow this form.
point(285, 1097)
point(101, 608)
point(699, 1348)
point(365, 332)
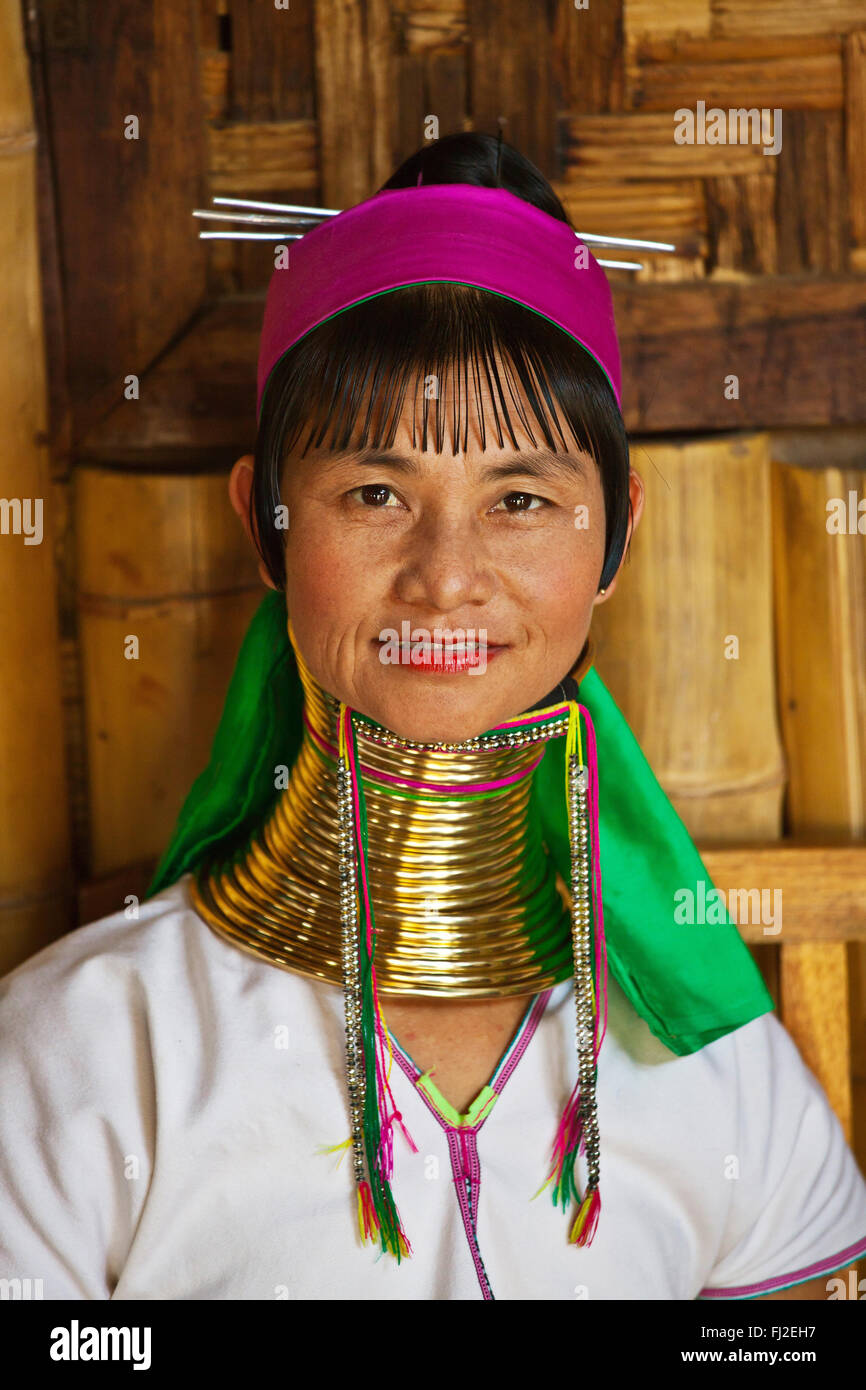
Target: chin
point(434, 715)
point(437, 731)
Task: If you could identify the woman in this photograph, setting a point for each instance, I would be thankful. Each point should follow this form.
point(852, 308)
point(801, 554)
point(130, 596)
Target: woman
point(363, 923)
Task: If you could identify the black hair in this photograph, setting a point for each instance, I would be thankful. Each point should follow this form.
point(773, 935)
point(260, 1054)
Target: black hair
point(427, 329)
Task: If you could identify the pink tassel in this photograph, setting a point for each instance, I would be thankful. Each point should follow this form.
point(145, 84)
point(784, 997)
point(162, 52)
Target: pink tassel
point(569, 1134)
point(367, 1219)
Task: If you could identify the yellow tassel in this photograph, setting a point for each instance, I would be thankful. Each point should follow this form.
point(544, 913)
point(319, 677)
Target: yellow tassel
point(543, 1188)
point(336, 1148)
point(577, 1234)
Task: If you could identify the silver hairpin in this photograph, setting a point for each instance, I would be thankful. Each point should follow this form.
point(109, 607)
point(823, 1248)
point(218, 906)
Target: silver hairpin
point(294, 214)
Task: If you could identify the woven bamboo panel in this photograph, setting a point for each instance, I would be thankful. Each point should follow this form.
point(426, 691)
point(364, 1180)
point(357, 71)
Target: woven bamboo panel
point(589, 95)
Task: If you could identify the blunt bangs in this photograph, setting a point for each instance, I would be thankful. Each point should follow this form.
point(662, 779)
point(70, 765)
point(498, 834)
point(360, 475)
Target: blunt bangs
point(345, 384)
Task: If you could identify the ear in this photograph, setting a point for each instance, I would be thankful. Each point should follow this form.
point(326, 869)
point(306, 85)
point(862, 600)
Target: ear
point(636, 497)
point(240, 488)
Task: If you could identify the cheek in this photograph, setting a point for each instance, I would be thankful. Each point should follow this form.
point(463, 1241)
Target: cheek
point(565, 607)
point(324, 576)
point(559, 580)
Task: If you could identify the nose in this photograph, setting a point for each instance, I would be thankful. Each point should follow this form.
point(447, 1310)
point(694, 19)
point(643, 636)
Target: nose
point(445, 566)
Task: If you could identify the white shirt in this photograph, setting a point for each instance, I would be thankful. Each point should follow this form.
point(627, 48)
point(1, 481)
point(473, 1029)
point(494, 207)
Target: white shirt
point(165, 1097)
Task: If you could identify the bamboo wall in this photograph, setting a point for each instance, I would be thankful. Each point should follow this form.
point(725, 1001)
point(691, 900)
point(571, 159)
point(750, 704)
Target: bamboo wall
point(150, 341)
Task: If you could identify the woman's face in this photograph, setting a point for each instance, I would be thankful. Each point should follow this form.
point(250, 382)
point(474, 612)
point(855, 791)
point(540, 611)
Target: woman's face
point(441, 595)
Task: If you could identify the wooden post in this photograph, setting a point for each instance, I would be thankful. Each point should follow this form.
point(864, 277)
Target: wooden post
point(820, 575)
point(36, 898)
point(167, 585)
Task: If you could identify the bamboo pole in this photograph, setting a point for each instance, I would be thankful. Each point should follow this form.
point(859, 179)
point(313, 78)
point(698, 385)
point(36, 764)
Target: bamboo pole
point(36, 899)
point(820, 576)
point(167, 584)
point(686, 641)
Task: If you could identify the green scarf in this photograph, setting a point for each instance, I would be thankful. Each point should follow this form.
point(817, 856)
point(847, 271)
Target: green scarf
point(692, 984)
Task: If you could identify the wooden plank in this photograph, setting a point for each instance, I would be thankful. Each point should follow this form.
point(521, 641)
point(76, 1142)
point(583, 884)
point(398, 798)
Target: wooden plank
point(211, 14)
point(802, 80)
point(432, 82)
point(215, 74)
point(745, 18)
point(75, 748)
point(354, 90)
point(814, 988)
point(644, 19)
point(708, 726)
point(643, 145)
point(821, 648)
point(822, 886)
point(198, 407)
point(844, 447)
point(163, 558)
point(134, 270)
point(812, 226)
point(272, 63)
point(185, 543)
point(59, 420)
point(214, 42)
point(422, 25)
point(258, 157)
point(741, 225)
point(794, 343)
point(671, 210)
point(512, 75)
point(663, 210)
point(432, 72)
point(855, 147)
point(588, 57)
point(35, 851)
point(692, 51)
point(821, 661)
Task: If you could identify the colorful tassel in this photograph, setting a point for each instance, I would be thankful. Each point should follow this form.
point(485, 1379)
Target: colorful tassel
point(578, 1126)
point(370, 1055)
point(586, 1220)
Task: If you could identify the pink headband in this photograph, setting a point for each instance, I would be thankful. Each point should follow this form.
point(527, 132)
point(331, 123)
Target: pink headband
point(455, 232)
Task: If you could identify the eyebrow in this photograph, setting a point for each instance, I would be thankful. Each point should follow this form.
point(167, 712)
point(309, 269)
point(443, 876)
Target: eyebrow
point(537, 463)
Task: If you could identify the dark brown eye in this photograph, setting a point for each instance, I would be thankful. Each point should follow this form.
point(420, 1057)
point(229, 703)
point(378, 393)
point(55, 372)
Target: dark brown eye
point(374, 494)
point(522, 501)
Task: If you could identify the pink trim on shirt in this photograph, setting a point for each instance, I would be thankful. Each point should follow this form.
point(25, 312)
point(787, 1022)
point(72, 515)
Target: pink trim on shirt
point(799, 1276)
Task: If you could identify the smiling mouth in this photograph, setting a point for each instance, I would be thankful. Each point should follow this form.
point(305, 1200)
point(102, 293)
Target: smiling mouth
point(443, 656)
point(428, 649)
point(459, 647)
